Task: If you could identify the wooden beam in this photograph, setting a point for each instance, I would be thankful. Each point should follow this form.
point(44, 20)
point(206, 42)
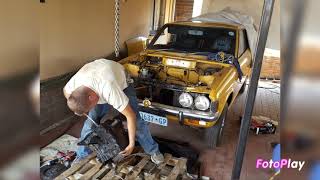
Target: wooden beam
point(109, 175)
point(178, 169)
point(89, 174)
point(75, 167)
point(100, 172)
point(154, 174)
point(137, 169)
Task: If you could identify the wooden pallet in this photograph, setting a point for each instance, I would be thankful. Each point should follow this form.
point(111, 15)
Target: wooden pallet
point(134, 167)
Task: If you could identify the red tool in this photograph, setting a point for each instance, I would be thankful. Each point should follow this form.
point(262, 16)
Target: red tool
point(263, 125)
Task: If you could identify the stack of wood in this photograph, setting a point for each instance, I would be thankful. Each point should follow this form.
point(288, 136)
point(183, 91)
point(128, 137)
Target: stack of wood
point(136, 166)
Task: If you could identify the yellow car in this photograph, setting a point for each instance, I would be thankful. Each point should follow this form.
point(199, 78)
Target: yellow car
point(190, 73)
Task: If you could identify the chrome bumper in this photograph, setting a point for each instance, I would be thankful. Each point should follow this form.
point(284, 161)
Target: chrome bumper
point(181, 112)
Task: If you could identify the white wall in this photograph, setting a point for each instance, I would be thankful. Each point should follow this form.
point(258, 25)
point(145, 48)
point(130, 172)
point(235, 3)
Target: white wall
point(19, 37)
point(253, 8)
point(73, 32)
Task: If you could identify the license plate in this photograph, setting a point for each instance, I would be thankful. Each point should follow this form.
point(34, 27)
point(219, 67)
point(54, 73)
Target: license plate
point(162, 121)
point(178, 63)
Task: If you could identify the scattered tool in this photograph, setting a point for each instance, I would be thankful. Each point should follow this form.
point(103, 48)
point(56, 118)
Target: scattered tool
point(263, 125)
point(52, 168)
point(67, 157)
point(103, 142)
point(50, 162)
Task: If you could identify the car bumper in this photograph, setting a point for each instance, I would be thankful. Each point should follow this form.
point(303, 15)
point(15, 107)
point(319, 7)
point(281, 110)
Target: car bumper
point(180, 112)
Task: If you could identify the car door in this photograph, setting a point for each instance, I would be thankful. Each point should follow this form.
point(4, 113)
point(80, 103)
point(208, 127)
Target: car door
point(244, 59)
point(244, 54)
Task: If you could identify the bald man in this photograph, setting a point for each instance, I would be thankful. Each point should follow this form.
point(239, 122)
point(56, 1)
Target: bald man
point(100, 85)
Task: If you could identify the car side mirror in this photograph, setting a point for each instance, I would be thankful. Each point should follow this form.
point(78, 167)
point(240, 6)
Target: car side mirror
point(147, 42)
point(136, 45)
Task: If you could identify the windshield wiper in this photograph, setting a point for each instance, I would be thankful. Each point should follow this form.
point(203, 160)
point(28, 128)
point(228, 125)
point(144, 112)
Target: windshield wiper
point(205, 53)
point(169, 49)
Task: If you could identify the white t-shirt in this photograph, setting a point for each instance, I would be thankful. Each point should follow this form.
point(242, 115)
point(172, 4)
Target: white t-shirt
point(107, 78)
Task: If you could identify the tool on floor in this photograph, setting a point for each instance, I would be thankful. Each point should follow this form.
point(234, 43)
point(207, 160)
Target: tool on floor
point(51, 170)
point(103, 142)
point(54, 167)
point(67, 157)
point(61, 157)
point(263, 125)
point(50, 162)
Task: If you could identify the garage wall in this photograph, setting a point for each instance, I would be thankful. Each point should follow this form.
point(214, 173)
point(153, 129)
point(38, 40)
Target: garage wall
point(73, 32)
point(183, 9)
point(253, 8)
point(19, 34)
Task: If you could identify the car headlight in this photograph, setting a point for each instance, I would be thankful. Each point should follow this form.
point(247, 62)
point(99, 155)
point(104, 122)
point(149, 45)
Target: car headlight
point(186, 100)
point(202, 103)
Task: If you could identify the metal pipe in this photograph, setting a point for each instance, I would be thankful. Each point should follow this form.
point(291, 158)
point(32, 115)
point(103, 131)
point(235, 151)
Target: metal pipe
point(252, 91)
point(288, 52)
point(92, 120)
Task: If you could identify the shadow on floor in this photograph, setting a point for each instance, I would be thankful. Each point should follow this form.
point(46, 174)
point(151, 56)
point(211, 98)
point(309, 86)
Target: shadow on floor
point(218, 163)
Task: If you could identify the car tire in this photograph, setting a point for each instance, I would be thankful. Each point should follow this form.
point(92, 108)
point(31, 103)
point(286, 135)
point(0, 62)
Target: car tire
point(214, 134)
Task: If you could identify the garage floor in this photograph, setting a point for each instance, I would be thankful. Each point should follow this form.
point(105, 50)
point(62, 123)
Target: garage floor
point(218, 163)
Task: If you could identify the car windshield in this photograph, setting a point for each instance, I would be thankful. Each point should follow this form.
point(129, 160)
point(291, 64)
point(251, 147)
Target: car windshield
point(182, 38)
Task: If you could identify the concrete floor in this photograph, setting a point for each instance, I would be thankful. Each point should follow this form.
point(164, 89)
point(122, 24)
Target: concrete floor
point(218, 163)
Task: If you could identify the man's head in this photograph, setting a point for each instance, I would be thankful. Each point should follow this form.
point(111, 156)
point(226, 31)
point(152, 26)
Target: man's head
point(82, 100)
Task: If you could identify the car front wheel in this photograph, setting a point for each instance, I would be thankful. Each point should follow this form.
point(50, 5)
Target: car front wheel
point(214, 134)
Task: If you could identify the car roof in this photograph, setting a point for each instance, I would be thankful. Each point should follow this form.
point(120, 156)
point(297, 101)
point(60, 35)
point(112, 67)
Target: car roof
point(209, 24)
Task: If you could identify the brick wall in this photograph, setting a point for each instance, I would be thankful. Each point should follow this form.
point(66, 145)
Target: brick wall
point(270, 68)
point(183, 10)
point(271, 65)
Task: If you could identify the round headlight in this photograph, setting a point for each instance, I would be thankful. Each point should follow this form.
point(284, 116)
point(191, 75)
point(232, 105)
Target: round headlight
point(185, 99)
point(202, 103)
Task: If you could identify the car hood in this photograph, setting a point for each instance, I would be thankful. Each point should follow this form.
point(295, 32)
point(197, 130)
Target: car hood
point(181, 69)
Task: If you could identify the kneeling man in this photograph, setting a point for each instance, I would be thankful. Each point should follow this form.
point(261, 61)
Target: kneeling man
point(100, 85)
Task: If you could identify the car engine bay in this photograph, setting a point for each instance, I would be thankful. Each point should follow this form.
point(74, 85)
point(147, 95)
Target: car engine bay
point(165, 81)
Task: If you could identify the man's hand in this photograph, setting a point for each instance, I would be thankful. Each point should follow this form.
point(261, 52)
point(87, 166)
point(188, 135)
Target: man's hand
point(128, 150)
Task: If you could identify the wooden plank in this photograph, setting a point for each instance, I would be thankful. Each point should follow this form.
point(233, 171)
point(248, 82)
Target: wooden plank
point(100, 172)
point(154, 174)
point(137, 169)
point(85, 168)
point(167, 157)
point(75, 167)
point(92, 169)
point(89, 174)
point(109, 175)
point(173, 161)
point(125, 163)
point(179, 168)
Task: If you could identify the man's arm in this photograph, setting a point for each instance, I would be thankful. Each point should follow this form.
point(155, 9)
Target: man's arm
point(131, 121)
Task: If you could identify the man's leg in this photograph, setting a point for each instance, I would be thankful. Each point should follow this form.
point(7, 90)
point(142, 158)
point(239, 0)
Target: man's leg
point(143, 134)
point(96, 114)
